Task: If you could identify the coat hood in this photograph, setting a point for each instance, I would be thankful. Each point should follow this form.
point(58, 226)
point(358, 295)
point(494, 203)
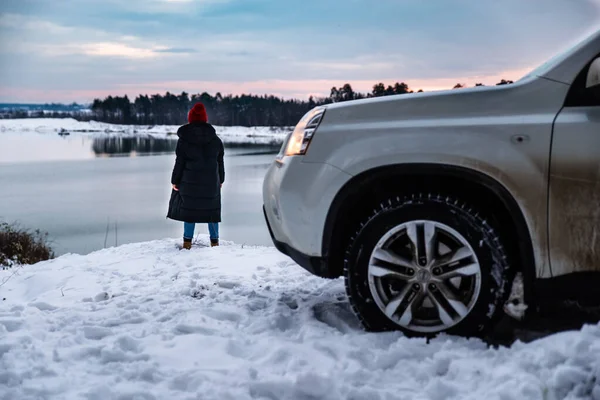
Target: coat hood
point(197, 133)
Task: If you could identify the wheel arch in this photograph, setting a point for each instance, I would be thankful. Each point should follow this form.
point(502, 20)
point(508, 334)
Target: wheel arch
point(374, 183)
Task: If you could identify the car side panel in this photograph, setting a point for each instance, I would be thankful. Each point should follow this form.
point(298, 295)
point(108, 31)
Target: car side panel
point(502, 133)
point(575, 192)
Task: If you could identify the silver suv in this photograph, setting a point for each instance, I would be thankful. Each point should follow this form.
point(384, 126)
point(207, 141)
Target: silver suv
point(431, 205)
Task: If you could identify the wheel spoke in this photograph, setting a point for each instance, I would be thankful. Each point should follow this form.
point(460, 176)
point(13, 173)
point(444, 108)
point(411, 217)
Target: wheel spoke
point(430, 237)
point(459, 308)
point(406, 317)
point(401, 305)
point(453, 299)
point(458, 255)
point(444, 316)
point(385, 263)
point(382, 272)
point(449, 309)
point(467, 270)
point(390, 257)
point(460, 263)
point(424, 241)
point(448, 291)
point(392, 307)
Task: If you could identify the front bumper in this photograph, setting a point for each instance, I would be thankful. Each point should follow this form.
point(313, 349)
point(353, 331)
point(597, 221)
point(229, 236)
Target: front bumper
point(314, 265)
point(297, 196)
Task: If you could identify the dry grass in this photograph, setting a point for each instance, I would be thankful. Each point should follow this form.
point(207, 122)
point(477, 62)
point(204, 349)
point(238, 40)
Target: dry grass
point(20, 246)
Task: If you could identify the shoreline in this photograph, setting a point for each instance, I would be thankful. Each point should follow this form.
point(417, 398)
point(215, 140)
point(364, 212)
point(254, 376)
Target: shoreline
point(231, 135)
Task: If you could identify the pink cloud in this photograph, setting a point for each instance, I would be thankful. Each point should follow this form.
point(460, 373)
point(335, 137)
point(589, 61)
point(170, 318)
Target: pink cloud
point(300, 89)
point(304, 88)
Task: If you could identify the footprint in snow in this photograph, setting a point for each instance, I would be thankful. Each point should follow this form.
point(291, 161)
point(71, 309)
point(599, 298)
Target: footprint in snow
point(103, 296)
point(129, 344)
point(289, 301)
point(221, 315)
point(227, 284)
point(5, 348)
point(337, 315)
point(43, 306)
point(126, 319)
point(285, 264)
point(184, 329)
point(96, 332)
point(11, 325)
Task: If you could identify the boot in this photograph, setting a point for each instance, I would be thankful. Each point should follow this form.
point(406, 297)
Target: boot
point(187, 244)
point(214, 242)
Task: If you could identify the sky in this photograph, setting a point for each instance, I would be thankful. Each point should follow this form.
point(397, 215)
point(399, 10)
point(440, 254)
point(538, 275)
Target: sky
point(78, 50)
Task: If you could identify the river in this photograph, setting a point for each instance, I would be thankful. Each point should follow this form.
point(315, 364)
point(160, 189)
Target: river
point(90, 193)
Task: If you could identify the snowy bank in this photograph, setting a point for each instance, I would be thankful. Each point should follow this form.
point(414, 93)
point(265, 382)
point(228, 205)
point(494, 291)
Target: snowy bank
point(147, 321)
point(230, 134)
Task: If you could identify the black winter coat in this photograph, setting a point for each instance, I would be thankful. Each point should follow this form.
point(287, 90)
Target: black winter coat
point(198, 173)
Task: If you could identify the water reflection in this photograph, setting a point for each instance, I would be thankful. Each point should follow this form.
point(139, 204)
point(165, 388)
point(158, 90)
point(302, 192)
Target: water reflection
point(127, 147)
point(30, 147)
point(117, 146)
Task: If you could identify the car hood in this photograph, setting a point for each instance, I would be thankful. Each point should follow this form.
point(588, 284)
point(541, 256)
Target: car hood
point(480, 101)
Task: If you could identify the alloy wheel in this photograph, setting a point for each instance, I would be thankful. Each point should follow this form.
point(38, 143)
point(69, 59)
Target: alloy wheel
point(424, 276)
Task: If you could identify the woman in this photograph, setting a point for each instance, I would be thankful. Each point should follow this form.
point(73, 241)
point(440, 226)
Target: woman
point(197, 177)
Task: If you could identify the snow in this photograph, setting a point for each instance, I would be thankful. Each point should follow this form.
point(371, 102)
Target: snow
point(148, 321)
point(515, 305)
point(229, 134)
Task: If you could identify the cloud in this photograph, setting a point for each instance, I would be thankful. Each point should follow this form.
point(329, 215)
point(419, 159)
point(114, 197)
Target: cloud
point(113, 49)
point(176, 50)
point(76, 47)
point(13, 22)
point(55, 40)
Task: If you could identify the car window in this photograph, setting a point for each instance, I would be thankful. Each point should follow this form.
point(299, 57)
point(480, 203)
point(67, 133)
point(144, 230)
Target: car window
point(579, 95)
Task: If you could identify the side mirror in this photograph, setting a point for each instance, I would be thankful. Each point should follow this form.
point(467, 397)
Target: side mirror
point(593, 75)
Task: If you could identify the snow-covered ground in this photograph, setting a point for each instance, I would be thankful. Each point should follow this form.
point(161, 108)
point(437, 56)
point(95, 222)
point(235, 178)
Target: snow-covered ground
point(147, 321)
point(229, 134)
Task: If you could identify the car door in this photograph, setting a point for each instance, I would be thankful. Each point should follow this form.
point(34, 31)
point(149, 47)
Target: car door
point(574, 196)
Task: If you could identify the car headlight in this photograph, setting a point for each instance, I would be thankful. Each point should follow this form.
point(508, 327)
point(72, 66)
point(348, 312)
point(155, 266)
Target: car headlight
point(297, 143)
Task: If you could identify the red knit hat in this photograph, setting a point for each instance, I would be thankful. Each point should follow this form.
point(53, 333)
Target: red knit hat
point(197, 114)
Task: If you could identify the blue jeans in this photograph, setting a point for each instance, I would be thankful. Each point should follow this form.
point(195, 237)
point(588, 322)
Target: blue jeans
point(188, 230)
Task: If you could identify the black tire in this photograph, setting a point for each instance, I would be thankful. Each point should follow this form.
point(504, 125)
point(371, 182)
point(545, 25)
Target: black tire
point(477, 228)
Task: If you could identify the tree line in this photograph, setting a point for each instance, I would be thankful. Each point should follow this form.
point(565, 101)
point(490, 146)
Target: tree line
point(228, 110)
